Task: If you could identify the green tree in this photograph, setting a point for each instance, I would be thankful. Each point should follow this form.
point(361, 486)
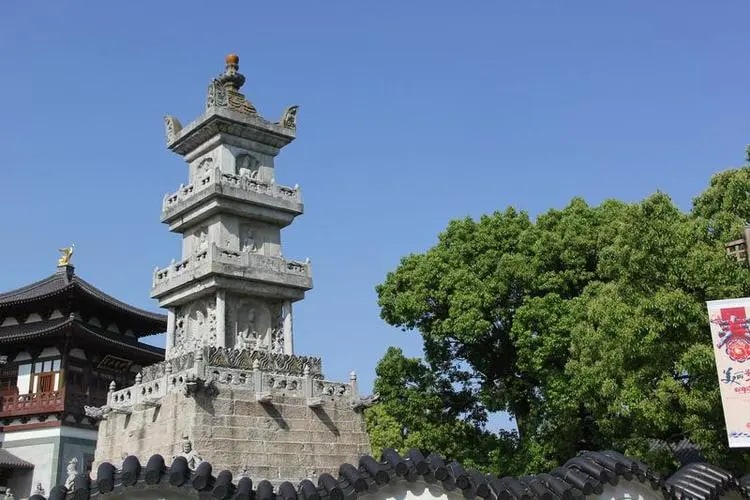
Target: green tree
point(588, 326)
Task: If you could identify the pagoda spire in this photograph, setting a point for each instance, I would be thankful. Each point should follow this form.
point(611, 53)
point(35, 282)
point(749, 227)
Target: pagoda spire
point(232, 287)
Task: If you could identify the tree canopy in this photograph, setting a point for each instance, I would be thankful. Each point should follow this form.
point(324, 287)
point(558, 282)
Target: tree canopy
point(587, 325)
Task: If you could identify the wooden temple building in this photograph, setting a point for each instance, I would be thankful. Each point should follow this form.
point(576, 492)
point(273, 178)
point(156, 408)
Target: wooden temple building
point(62, 343)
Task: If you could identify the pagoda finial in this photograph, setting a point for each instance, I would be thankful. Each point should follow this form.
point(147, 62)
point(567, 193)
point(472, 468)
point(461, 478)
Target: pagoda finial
point(66, 255)
point(224, 90)
point(232, 78)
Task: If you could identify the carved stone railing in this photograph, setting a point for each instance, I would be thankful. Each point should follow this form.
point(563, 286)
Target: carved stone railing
point(29, 404)
point(215, 181)
point(239, 359)
point(266, 374)
point(172, 365)
point(232, 262)
point(145, 394)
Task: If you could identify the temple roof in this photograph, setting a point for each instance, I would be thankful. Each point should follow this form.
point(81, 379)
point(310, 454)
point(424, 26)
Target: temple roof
point(30, 331)
point(65, 281)
point(10, 461)
point(587, 474)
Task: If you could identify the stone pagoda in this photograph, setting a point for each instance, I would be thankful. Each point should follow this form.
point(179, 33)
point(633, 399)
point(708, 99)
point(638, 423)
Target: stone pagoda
point(231, 389)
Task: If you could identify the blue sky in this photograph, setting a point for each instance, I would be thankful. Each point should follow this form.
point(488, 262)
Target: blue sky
point(412, 114)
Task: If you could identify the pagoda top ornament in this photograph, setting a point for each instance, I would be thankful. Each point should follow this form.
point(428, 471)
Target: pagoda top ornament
point(224, 90)
point(228, 105)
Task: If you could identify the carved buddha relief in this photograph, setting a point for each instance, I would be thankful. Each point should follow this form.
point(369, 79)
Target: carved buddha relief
point(246, 165)
point(201, 169)
point(195, 325)
point(250, 240)
point(250, 323)
point(205, 165)
point(201, 239)
point(277, 331)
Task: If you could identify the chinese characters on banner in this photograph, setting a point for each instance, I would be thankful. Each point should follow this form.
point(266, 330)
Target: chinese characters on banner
point(730, 333)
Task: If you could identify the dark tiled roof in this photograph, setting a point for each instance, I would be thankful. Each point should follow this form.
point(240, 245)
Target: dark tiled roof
point(585, 474)
point(42, 288)
point(32, 330)
point(702, 481)
point(687, 452)
point(9, 460)
point(40, 328)
point(64, 280)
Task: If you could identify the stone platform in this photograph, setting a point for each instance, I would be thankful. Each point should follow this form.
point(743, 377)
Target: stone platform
point(281, 426)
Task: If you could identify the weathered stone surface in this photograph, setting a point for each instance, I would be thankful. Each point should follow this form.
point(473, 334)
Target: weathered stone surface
point(287, 441)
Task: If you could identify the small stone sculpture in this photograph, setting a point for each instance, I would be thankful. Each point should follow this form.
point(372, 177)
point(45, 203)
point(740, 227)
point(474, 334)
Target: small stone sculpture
point(192, 456)
point(289, 117)
point(173, 127)
point(72, 471)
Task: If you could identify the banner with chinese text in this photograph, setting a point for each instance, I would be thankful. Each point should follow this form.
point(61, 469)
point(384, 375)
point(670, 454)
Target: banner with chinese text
point(730, 333)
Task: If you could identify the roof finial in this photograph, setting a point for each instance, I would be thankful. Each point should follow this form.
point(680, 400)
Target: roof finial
point(66, 255)
point(232, 78)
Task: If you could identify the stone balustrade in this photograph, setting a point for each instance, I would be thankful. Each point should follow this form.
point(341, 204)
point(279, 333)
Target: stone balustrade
point(150, 389)
point(139, 394)
point(215, 181)
point(234, 263)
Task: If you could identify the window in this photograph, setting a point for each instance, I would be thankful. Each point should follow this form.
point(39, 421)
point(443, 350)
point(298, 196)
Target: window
point(23, 382)
point(46, 376)
point(8, 379)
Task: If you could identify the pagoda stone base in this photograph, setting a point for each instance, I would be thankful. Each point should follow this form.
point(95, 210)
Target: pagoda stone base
point(294, 427)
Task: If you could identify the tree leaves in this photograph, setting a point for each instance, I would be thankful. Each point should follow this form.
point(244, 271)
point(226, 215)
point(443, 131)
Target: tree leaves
point(587, 325)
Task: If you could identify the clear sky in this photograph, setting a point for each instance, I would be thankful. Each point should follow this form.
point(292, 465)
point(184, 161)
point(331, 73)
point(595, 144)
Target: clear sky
point(412, 113)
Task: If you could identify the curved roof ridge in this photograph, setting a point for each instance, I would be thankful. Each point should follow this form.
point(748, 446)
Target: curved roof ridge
point(120, 339)
point(60, 281)
point(30, 330)
point(24, 292)
point(100, 294)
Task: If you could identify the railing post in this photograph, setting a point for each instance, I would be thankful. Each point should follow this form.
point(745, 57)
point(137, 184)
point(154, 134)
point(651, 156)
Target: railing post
point(307, 381)
point(353, 385)
point(257, 377)
point(112, 387)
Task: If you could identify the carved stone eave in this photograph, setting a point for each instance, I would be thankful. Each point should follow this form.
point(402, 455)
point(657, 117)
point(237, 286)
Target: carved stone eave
point(222, 198)
point(233, 123)
point(206, 279)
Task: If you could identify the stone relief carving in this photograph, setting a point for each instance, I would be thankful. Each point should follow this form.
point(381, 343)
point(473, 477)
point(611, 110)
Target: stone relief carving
point(277, 333)
point(291, 364)
point(180, 332)
point(72, 471)
point(250, 241)
point(195, 326)
point(289, 117)
point(246, 165)
point(172, 126)
point(247, 337)
point(201, 236)
point(205, 165)
point(221, 96)
point(250, 322)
